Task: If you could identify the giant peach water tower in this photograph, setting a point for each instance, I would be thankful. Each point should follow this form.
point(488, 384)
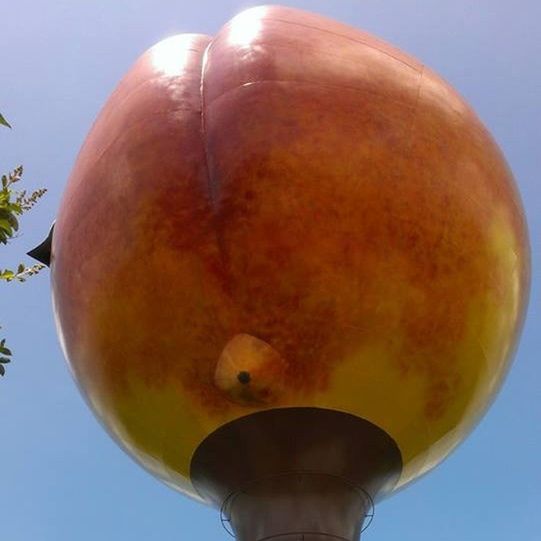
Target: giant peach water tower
point(289, 270)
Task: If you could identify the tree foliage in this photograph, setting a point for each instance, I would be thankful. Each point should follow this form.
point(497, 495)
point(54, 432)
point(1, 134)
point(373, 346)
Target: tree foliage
point(14, 203)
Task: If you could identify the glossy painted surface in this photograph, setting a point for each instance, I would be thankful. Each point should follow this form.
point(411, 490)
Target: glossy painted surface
point(299, 198)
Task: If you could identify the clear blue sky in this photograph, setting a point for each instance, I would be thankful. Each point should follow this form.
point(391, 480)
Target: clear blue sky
point(62, 478)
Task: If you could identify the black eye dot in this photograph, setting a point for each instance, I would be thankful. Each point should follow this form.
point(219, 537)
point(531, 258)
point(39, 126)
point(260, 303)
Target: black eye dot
point(244, 377)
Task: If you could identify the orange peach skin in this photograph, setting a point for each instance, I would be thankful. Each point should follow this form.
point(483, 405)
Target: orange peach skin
point(303, 183)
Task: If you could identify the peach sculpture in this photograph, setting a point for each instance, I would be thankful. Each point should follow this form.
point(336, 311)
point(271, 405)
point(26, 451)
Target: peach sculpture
point(289, 270)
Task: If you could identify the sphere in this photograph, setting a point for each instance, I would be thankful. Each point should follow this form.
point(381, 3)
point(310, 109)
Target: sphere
point(290, 214)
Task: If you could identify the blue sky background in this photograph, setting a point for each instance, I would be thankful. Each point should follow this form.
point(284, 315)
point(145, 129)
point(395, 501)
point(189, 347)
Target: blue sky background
point(61, 477)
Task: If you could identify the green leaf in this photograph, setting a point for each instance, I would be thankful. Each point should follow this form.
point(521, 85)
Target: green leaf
point(15, 207)
point(4, 360)
point(20, 268)
point(2, 370)
point(4, 224)
point(7, 274)
point(4, 350)
point(3, 121)
point(13, 222)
